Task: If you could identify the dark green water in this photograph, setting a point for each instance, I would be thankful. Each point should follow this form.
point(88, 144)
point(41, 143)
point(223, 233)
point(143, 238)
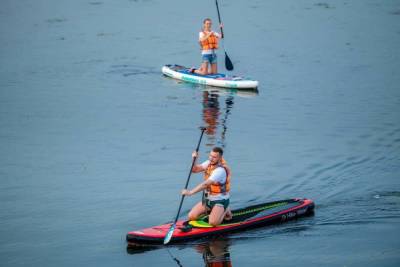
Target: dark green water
point(95, 142)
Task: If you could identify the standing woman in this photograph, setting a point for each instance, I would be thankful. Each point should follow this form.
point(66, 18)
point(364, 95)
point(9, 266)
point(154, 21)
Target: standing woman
point(208, 40)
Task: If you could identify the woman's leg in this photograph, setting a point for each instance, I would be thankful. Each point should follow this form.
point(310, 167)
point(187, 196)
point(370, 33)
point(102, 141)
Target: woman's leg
point(203, 69)
point(214, 68)
point(204, 65)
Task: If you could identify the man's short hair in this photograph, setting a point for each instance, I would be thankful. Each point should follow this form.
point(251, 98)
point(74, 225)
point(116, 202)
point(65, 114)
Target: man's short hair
point(218, 150)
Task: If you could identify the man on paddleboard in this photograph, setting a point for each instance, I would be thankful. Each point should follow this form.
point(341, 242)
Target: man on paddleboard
point(208, 40)
point(216, 187)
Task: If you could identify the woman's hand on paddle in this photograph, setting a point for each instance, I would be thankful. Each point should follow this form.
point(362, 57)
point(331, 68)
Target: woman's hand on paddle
point(195, 154)
point(222, 32)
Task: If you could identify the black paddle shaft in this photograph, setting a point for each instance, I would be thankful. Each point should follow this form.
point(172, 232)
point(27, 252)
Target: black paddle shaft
point(228, 62)
point(219, 18)
point(190, 173)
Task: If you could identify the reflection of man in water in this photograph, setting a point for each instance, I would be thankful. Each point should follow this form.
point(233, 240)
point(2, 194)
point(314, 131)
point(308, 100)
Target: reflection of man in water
point(215, 253)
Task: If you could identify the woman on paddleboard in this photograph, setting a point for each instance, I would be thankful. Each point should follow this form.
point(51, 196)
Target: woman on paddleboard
point(208, 40)
point(216, 187)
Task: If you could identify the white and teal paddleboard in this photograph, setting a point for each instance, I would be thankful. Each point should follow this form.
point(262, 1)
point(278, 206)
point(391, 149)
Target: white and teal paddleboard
point(218, 80)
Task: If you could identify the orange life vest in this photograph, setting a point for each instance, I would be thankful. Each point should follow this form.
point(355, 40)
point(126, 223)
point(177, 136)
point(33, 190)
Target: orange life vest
point(210, 43)
point(218, 188)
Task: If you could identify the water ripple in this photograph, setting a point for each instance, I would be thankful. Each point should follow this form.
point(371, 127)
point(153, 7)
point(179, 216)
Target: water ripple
point(133, 70)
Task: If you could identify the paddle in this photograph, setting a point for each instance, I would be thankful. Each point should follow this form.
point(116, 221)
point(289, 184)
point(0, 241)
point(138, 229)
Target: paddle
point(168, 236)
point(228, 62)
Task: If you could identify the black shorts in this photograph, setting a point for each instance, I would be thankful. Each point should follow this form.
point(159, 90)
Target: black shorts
point(211, 203)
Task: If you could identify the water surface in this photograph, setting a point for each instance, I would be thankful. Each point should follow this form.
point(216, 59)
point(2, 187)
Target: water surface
point(95, 142)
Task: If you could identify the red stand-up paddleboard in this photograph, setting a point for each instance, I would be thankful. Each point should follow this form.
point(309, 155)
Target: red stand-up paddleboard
point(245, 218)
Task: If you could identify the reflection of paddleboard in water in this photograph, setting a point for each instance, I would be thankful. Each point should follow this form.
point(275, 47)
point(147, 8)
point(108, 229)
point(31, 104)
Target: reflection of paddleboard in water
point(218, 80)
point(232, 92)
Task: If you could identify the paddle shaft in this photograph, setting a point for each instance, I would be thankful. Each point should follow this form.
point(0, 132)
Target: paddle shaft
point(219, 18)
point(190, 173)
point(228, 62)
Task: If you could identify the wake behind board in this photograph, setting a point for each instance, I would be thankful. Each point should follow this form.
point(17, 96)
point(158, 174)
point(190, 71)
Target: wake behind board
point(219, 80)
point(245, 218)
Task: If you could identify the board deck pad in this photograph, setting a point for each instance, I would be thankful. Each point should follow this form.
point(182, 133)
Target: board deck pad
point(218, 76)
point(219, 79)
point(245, 214)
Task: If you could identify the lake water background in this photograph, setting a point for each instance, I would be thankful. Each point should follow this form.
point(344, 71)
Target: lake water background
point(95, 142)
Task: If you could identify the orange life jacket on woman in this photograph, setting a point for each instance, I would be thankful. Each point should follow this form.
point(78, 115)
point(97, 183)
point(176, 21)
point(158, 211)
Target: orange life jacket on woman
point(210, 43)
point(218, 188)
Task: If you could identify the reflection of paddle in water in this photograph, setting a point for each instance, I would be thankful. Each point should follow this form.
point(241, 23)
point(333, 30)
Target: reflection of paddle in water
point(211, 112)
point(174, 258)
point(228, 107)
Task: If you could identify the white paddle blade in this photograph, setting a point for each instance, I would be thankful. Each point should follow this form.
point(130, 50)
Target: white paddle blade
point(169, 234)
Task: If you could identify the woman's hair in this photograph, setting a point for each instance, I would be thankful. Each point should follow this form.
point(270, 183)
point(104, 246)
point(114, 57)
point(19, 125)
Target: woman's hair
point(207, 19)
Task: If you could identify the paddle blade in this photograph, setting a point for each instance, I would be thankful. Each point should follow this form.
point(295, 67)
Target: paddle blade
point(169, 234)
point(228, 63)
